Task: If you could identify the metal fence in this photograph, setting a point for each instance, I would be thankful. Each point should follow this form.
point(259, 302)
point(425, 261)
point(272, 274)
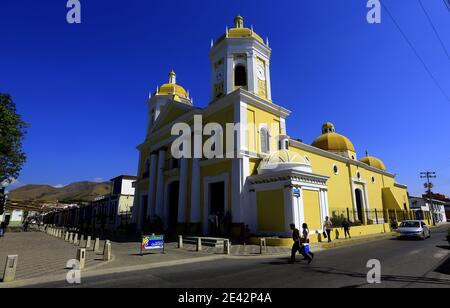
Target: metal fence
point(373, 217)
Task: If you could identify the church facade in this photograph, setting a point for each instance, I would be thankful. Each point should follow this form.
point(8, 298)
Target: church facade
point(271, 180)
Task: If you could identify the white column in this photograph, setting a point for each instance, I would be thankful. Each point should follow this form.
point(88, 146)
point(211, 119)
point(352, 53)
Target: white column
point(288, 209)
point(182, 196)
point(195, 191)
point(251, 68)
point(236, 189)
point(230, 74)
point(160, 184)
point(253, 212)
point(152, 185)
point(269, 91)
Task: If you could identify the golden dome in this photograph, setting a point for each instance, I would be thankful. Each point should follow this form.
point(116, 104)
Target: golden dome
point(332, 141)
point(239, 31)
point(373, 162)
point(171, 88)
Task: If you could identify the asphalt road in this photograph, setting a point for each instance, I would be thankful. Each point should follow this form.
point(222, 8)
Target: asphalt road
point(404, 263)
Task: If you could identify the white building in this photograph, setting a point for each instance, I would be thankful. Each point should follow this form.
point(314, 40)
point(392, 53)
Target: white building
point(437, 208)
point(114, 211)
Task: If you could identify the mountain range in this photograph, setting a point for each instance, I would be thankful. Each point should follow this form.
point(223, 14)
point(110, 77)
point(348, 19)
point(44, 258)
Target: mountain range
point(78, 191)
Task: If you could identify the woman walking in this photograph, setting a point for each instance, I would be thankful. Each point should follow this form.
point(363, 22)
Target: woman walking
point(305, 239)
point(327, 226)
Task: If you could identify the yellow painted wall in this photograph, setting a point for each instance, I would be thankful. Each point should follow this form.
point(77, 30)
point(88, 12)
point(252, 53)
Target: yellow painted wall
point(256, 117)
point(311, 206)
point(270, 208)
point(340, 194)
point(339, 188)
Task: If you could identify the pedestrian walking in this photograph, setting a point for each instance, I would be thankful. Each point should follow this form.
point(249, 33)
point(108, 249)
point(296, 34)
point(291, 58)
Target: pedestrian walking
point(305, 240)
point(346, 226)
point(2, 229)
point(297, 246)
point(327, 227)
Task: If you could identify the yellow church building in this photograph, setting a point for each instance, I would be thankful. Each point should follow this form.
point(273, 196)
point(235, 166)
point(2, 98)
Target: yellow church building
point(271, 180)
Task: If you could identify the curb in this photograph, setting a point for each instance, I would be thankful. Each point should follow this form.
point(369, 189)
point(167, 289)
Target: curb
point(356, 241)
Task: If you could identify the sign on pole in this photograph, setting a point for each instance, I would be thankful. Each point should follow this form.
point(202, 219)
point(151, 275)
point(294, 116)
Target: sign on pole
point(152, 242)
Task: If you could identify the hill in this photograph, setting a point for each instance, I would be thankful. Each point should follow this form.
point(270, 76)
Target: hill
point(80, 191)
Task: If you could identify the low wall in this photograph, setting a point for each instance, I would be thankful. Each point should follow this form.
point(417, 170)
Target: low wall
point(337, 233)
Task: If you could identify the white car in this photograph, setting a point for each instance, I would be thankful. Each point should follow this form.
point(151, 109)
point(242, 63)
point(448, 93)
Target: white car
point(414, 228)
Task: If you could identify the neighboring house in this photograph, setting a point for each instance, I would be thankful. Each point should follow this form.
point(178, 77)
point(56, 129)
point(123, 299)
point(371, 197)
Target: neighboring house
point(108, 212)
point(422, 204)
point(113, 211)
point(271, 180)
point(13, 217)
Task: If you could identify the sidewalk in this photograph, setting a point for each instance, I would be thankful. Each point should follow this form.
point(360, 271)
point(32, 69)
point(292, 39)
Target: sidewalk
point(39, 254)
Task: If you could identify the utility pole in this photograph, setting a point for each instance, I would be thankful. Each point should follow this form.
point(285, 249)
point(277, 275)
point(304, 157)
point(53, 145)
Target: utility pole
point(428, 185)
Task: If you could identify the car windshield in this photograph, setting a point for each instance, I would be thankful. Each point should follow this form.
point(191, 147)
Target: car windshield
point(410, 224)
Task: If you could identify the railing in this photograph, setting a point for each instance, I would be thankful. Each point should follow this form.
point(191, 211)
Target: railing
point(374, 217)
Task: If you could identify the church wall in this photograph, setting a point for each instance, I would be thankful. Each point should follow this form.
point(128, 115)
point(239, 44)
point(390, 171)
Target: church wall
point(270, 211)
point(212, 170)
point(339, 188)
point(260, 117)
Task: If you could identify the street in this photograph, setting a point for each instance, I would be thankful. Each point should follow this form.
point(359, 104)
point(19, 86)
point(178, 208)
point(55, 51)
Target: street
point(404, 263)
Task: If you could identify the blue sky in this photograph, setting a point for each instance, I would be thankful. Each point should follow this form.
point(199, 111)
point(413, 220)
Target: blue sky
point(83, 87)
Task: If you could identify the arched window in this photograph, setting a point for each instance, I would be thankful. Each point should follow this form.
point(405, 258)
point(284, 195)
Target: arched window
point(240, 76)
point(265, 139)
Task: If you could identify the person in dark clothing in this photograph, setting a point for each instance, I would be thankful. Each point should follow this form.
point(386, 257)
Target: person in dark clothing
point(297, 246)
point(2, 229)
point(346, 226)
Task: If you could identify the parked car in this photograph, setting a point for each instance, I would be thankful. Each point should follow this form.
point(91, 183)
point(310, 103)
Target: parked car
point(414, 228)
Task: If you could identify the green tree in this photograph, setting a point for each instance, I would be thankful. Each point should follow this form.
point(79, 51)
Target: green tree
point(12, 132)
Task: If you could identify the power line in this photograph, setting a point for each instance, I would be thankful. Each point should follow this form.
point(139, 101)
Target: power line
point(416, 52)
point(447, 4)
point(434, 29)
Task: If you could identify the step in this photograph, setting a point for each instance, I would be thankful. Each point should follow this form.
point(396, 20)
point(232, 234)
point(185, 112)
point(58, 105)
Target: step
point(206, 241)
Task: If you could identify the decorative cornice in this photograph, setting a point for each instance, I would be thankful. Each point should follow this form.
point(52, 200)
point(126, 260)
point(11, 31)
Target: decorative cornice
point(289, 175)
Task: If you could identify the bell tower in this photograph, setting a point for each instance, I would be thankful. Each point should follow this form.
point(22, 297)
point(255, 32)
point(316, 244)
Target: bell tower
point(240, 59)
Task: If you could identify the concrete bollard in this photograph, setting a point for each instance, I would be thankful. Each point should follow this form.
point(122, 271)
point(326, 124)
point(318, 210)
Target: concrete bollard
point(226, 247)
point(180, 241)
point(81, 257)
point(66, 236)
point(81, 239)
point(107, 251)
point(96, 244)
point(75, 239)
point(199, 244)
point(10, 268)
point(71, 235)
point(262, 246)
point(88, 242)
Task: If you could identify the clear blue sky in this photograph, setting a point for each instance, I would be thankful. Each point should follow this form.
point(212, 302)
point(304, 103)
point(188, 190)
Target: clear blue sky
point(83, 87)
